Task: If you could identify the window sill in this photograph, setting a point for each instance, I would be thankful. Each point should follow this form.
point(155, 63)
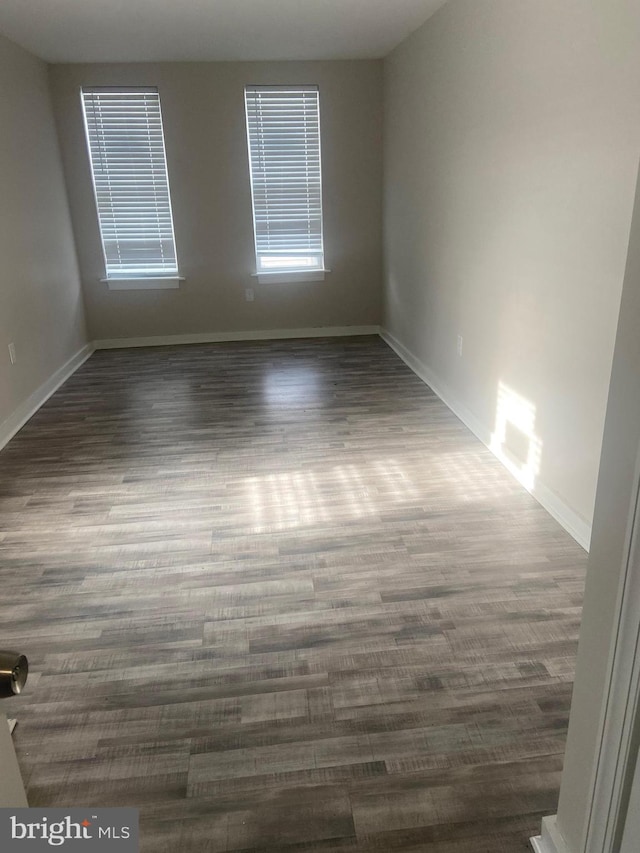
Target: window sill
point(160, 283)
point(290, 276)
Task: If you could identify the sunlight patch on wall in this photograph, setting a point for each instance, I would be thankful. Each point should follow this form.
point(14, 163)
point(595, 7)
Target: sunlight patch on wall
point(514, 440)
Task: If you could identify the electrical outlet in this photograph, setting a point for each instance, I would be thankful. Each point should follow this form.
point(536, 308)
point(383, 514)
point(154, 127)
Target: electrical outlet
point(249, 295)
point(12, 353)
point(460, 345)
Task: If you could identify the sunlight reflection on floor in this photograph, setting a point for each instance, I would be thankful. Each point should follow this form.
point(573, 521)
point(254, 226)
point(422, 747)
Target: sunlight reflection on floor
point(289, 499)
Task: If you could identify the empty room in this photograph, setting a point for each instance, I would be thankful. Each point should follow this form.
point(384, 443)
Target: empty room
point(320, 426)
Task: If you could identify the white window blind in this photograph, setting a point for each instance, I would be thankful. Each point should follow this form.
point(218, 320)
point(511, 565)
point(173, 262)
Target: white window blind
point(283, 130)
point(126, 147)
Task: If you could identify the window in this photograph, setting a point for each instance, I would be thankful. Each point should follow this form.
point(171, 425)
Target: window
point(283, 130)
point(126, 147)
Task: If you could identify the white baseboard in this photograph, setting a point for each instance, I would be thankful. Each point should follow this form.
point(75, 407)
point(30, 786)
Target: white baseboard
point(538, 845)
point(549, 840)
point(18, 418)
point(573, 523)
point(222, 337)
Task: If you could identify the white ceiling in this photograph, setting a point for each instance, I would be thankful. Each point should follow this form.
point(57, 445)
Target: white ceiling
point(156, 30)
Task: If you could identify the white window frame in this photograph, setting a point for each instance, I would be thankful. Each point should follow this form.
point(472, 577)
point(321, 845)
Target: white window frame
point(294, 262)
point(161, 273)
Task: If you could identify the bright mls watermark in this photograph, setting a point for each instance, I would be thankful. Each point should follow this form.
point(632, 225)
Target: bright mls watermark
point(103, 830)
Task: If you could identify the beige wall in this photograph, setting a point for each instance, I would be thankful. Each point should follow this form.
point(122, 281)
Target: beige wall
point(203, 112)
point(512, 135)
point(41, 307)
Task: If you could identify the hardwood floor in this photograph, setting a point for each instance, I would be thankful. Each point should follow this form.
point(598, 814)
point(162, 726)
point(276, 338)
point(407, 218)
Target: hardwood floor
point(279, 598)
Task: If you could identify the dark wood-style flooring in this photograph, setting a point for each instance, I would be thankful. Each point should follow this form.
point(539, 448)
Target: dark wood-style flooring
point(279, 598)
